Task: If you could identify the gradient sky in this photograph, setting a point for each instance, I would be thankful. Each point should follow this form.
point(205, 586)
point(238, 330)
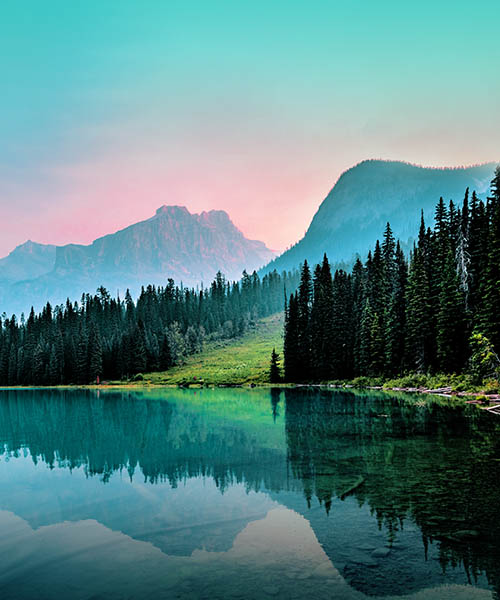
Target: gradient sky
point(109, 109)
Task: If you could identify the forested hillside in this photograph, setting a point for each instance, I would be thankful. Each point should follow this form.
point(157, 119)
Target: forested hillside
point(368, 195)
point(390, 315)
point(105, 337)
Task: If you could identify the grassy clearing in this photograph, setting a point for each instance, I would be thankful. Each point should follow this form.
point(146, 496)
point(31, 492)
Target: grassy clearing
point(234, 362)
point(246, 360)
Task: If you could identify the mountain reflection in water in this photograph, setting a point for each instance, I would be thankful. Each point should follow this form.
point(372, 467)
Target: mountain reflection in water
point(246, 494)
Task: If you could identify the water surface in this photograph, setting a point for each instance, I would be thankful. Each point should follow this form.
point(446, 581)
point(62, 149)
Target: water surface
point(246, 494)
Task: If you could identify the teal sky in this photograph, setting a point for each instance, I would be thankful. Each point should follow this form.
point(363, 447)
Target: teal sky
point(109, 109)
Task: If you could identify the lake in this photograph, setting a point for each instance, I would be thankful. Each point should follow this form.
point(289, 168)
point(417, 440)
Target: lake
point(239, 493)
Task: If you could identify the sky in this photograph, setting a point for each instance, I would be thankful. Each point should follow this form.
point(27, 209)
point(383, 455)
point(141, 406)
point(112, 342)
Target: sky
point(109, 109)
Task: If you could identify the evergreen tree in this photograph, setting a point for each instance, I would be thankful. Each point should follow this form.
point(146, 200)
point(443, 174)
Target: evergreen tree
point(450, 320)
point(82, 363)
point(376, 358)
point(418, 319)
point(323, 334)
point(478, 251)
point(396, 316)
point(165, 355)
point(139, 363)
point(490, 288)
point(358, 299)
point(340, 333)
point(304, 303)
point(108, 337)
point(95, 355)
point(365, 338)
point(291, 345)
point(274, 369)
point(54, 369)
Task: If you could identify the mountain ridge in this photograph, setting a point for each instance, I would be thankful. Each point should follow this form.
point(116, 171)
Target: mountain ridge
point(371, 193)
point(27, 260)
point(173, 243)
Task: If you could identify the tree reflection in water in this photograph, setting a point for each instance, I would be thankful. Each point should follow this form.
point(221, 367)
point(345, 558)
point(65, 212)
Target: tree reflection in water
point(430, 462)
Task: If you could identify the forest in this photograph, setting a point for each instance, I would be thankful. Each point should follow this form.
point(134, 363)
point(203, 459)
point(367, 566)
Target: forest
point(102, 337)
point(435, 311)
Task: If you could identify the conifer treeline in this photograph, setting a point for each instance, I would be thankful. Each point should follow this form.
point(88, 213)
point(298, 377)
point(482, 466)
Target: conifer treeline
point(392, 315)
point(110, 338)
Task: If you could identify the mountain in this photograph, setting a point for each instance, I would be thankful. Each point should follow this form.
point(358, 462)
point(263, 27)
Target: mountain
point(355, 212)
point(27, 261)
point(173, 243)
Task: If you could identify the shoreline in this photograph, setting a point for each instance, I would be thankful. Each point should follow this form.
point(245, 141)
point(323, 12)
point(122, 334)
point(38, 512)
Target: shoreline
point(484, 400)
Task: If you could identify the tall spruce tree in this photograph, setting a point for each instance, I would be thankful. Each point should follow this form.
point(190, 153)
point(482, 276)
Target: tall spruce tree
point(341, 337)
point(304, 305)
point(323, 335)
point(395, 325)
point(95, 355)
point(490, 288)
point(274, 368)
point(451, 332)
point(418, 314)
point(291, 344)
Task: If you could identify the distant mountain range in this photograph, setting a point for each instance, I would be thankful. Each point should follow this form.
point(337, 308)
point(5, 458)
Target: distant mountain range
point(355, 212)
point(190, 248)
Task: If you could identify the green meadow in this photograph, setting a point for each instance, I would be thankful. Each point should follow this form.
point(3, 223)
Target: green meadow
point(234, 362)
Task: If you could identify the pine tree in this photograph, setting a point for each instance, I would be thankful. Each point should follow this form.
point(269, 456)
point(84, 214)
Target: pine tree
point(54, 370)
point(304, 302)
point(358, 300)
point(450, 320)
point(395, 325)
point(323, 335)
point(139, 362)
point(317, 322)
point(495, 186)
point(462, 253)
point(478, 251)
point(389, 256)
point(418, 317)
point(75, 342)
point(377, 358)
point(341, 337)
point(165, 355)
point(365, 337)
point(39, 363)
point(12, 369)
point(490, 308)
point(291, 346)
point(95, 355)
point(274, 369)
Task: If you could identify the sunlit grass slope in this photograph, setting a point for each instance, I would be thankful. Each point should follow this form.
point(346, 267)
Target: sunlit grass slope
point(245, 360)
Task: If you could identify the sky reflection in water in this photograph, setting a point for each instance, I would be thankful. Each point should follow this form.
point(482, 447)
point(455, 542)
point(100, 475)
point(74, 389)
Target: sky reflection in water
point(246, 494)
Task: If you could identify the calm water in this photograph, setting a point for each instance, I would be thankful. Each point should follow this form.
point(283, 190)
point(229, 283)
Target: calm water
point(246, 494)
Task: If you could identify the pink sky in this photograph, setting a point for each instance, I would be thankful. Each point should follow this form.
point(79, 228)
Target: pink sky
point(270, 196)
point(109, 111)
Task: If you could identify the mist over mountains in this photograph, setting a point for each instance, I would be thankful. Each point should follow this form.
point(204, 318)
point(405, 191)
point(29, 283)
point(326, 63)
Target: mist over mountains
point(367, 196)
point(189, 248)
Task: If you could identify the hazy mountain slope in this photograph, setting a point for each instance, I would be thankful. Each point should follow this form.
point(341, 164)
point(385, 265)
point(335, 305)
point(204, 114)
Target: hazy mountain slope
point(356, 210)
point(173, 243)
point(27, 261)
